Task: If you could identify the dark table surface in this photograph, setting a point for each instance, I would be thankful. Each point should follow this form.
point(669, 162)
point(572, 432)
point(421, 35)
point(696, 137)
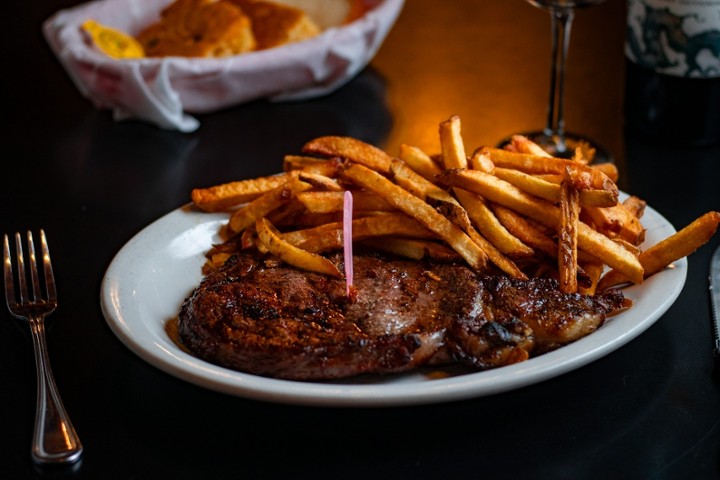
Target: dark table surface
point(648, 410)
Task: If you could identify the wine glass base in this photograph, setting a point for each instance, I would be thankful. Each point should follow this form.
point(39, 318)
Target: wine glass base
point(564, 146)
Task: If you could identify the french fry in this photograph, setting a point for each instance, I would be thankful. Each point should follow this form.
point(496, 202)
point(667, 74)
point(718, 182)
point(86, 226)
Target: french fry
point(594, 271)
point(424, 213)
point(329, 236)
point(454, 156)
point(306, 220)
point(451, 144)
point(595, 187)
point(595, 179)
point(351, 149)
point(480, 160)
point(263, 205)
point(287, 213)
point(291, 254)
point(531, 184)
point(616, 222)
point(504, 193)
point(567, 238)
point(673, 248)
point(419, 161)
point(525, 231)
point(318, 239)
point(635, 205)
point(328, 202)
point(413, 248)
point(459, 217)
point(392, 224)
point(609, 169)
point(490, 227)
point(322, 166)
point(583, 151)
point(320, 182)
point(228, 195)
point(416, 184)
point(522, 144)
point(547, 186)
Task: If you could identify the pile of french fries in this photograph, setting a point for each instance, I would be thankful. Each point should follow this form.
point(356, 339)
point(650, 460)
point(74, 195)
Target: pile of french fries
point(516, 210)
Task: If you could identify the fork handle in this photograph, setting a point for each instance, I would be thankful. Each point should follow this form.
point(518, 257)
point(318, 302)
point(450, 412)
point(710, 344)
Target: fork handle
point(54, 439)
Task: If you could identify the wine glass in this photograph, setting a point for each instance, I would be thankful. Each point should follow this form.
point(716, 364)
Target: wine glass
point(553, 138)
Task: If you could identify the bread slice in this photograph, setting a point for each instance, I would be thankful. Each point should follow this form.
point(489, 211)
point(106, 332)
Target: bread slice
point(274, 24)
point(199, 28)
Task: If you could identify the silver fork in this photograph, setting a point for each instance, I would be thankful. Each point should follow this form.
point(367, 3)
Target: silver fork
point(54, 439)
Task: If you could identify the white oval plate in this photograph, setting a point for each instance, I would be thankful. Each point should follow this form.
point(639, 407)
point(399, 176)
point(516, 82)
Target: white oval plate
point(157, 269)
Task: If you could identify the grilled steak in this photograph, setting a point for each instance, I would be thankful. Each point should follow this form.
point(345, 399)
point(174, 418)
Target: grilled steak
point(256, 316)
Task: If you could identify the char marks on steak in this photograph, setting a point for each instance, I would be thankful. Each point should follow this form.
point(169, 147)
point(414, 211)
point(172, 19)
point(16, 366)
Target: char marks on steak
point(256, 316)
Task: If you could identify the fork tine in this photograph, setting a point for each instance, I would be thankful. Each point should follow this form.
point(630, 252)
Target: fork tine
point(22, 283)
point(32, 259)
point(7, 267)
point(47, 266)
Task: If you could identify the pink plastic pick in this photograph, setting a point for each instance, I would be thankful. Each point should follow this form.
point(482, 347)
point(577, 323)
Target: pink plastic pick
point(347, 238)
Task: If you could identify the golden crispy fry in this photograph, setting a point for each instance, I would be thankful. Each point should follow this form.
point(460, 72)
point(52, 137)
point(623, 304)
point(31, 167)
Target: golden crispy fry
point(351, 149)
point(594, 186)
point(609, 169)
point(503, 193)
point(526, 231)
point(228, 195)
point(419, 161)
point(567, 238)
point(547, 186)
point(635, 205)
point(291, 254)
point(263, 205)
point(587, 178)
point(323, 238)
point(416, 184)
point(329, 236)
point(480, 160)
point(286, 214)
point(451, 144)
point(584, 152)
point(328, 202)
point(529, 183)
point(320, 182)
point(413, 248)
point(490, 227)
point(669, 250)
point(397, 224)
point(300, 162)
point(522, 144)
point(594, 271)
point(616, 222)
point(424, 213)
point(329, 167)
point(454, 156)
point(459, 217)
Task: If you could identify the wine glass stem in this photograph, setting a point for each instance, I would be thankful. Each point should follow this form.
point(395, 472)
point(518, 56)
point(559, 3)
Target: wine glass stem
point(561, 25)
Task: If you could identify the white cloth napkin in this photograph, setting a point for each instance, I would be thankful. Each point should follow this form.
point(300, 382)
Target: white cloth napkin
point(163, 90)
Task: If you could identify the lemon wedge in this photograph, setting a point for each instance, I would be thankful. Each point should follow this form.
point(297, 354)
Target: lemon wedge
point(114, 43)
